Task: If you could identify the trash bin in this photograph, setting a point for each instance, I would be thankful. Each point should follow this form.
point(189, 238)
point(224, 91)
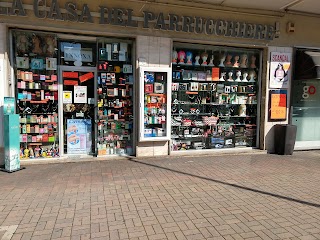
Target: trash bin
point(284, 138)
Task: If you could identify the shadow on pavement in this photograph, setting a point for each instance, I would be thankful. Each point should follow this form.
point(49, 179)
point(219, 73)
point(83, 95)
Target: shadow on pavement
point(231, 184)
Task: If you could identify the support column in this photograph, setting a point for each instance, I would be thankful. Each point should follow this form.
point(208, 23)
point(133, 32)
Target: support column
point(156, 51)
point(3, 83)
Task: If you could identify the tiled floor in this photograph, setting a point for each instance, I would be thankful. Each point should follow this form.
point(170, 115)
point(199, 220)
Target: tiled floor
point(247, 196)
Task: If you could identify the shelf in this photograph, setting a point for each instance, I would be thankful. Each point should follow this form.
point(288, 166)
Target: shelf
point(116, 84)
point(207, 114)
point(214, 104)
point(212, 81)
point(38, 89)
point(112, 96)
point(42, 123)
point(155, 94)
point(37, 113)
point(219, 124)
point(197, 67)
point(49, 132)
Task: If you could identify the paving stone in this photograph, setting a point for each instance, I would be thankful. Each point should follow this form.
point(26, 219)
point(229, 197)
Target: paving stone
point(240, 196)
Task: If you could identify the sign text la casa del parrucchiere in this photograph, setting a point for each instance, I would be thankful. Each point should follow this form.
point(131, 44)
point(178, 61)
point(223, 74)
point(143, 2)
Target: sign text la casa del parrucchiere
point(125, 17)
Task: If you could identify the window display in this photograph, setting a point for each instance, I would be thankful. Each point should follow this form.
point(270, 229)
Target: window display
point(214, 97)
point(154, 98)
point(115, 97)
point(35, 67)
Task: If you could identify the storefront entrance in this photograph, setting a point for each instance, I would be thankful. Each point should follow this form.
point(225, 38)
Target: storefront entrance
point(306, 99)
point(78, 110)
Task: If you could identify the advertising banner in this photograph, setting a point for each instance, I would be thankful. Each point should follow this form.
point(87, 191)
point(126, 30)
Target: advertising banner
point(277, 105)
point(9, 105)
point(78, 136)
point(80, 94)
point(279, 70)
point(11, 143)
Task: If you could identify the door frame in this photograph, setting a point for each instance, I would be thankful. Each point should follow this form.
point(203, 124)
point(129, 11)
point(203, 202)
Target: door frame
point(60, 111)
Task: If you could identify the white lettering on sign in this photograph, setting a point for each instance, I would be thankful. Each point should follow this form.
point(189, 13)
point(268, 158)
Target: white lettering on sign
point(307, 91)
point(77, 55)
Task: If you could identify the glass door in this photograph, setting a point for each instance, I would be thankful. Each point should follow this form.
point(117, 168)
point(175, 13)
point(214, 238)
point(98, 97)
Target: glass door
point(78, 110)
point(306, 98)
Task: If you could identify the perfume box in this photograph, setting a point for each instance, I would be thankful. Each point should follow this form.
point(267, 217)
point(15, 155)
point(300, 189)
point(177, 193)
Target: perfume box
point(123, 51)
point(54, 77)
point(24, 129)
point(51, 139)
point(115, 51)
point(45, 137)
point(28, 128)
point(103, 54)
point(215, 74)
point(39, 138)
point(108, 49)
point(24, 138)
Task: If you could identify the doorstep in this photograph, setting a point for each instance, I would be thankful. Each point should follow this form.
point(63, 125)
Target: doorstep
point(68, 159)
point(217, 152)
point(187, 153)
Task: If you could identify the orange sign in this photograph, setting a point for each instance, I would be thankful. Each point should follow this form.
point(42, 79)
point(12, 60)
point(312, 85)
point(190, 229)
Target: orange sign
point(86, 77)
point(278, 106)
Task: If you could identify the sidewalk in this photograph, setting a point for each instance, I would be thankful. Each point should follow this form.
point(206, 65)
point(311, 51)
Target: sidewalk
point(244, 196)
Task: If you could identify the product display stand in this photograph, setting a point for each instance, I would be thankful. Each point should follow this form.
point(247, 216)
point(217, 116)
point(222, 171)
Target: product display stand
point(115, 98)
point(214, 107)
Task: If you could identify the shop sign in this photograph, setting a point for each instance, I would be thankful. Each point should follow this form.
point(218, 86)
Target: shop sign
point(278, 105)
point(78, 136)
point(72, 12)
point(71, 54)
point(306, 93)
point(279, 70)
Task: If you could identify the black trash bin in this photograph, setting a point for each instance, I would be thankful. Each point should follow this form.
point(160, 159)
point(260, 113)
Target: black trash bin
point(284, 138)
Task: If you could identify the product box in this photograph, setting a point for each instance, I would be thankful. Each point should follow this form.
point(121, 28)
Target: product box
point(160, 132)
point(39, 138)
point(51, 139)
point(102, 152)
point(148, 132)
point(23, 129)
point(217, 142)
point(215, 74)
point(229, 142)
point(45, 137)
point(28, 128)
point(23, 138)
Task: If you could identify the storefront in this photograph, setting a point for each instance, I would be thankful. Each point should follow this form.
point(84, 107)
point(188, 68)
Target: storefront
point(71, 98)
point(215, 97)
point(306, 98)
point(144, 79)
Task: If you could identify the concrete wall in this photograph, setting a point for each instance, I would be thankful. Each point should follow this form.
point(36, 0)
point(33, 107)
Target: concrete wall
point(157, 53)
